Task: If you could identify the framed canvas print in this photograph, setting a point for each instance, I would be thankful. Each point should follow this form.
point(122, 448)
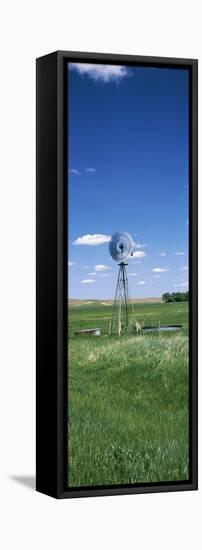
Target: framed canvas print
point(116, 375)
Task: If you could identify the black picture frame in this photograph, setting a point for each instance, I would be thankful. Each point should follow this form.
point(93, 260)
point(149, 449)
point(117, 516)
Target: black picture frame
point(51, 273)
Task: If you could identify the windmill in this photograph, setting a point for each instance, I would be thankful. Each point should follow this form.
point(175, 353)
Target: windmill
point(121, 246)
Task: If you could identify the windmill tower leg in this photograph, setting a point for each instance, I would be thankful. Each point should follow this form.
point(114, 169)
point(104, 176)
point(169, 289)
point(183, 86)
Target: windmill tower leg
point(125, 293)
point(117, 303)
point(122, 308)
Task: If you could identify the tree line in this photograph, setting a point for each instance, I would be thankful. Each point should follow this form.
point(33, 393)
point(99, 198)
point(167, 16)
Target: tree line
point(175, 297)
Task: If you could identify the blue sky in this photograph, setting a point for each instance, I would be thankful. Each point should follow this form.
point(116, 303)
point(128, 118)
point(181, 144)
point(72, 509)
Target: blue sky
point(128, 170)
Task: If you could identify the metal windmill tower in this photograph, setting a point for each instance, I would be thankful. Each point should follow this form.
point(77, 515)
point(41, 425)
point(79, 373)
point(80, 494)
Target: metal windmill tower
point(123, 318)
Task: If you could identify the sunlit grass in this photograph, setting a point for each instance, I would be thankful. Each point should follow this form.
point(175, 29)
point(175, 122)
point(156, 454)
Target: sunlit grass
point(128, 405)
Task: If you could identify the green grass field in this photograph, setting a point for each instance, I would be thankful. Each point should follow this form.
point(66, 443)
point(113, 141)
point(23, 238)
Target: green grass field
point(128, 398)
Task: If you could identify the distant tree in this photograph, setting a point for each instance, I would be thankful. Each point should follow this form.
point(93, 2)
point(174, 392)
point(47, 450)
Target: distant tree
point(166, 297)
point(175, 297)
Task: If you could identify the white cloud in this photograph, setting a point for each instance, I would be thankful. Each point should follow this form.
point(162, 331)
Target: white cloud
point(156, 276)
point(185, 268)
point(92, 240)
point(138, 254)
point(71, 263)
point(90, 170)
point(181, 285)
point(163, 254)
point(160, 269)
point(88, 281)
point(92, 273)
point(179, 253)
point(132, 274)
point(141, 283)
point(99, 72)
point(74, 171)
point(139, 245)
point(101, 267)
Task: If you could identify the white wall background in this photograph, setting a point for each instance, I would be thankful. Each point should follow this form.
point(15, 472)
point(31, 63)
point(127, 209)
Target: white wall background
point(29, 29)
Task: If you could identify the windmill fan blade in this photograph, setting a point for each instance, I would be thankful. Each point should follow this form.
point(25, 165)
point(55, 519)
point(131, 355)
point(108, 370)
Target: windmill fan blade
point(121, 246)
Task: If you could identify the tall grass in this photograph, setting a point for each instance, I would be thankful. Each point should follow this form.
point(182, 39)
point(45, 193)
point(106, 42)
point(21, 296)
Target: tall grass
point(128, 409)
